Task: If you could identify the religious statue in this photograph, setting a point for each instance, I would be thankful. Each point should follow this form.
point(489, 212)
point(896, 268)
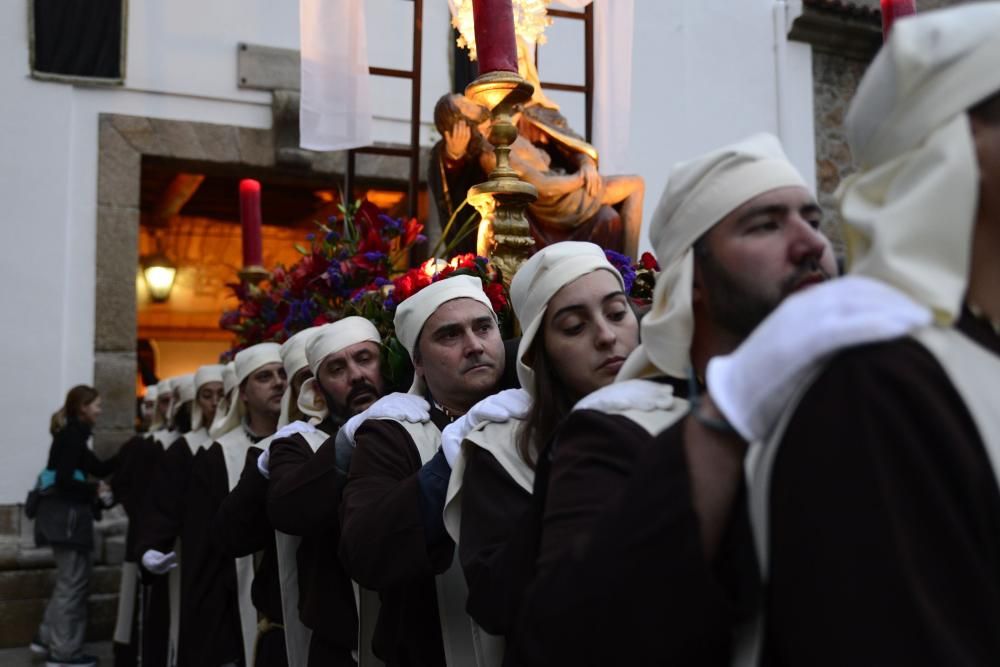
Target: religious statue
point(574, 200)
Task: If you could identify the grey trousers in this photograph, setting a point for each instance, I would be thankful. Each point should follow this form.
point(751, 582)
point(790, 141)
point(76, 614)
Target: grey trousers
point(65, 622)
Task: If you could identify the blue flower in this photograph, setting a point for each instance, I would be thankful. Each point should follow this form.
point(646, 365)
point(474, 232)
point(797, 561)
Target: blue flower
point(390, 224)
point(334, 276)
point(374, 256)
point(332, 237)
point(381, 282)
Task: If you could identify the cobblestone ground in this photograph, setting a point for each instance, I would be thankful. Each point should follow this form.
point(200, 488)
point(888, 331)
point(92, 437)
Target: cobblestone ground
point(22, 657)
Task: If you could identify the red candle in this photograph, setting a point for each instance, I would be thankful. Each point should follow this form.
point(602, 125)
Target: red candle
point(894, 9)
point(496, 46)
point(250, 219)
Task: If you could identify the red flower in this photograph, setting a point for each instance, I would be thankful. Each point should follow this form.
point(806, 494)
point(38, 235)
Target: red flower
point(497, 295)
point(411, 230)
point(649, 262)
point(409, 284)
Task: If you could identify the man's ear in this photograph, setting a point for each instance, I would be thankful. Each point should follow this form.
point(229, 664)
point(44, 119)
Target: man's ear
point(696, 283)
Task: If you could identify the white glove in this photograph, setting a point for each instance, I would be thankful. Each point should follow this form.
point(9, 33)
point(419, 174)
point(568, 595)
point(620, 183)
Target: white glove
point(158, 562)
point(398, 406)
point(753, 385)
point(498, 408)
point(643, 395)
point(105, 494)
point(262, 462)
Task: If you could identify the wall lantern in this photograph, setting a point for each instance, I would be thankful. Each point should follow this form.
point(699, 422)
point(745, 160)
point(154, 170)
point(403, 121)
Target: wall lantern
point(159, 273)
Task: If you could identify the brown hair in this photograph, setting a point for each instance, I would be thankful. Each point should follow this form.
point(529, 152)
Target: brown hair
point(551, 404)
point(77, 397)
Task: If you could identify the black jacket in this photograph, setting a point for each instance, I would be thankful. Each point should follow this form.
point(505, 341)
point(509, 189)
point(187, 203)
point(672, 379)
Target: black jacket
point(66, 511)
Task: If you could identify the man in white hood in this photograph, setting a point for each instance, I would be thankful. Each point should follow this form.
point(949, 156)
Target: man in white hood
point(343, 360)
point(218, 622)
point(392, 537)
point(159, 531)
point(874, 476)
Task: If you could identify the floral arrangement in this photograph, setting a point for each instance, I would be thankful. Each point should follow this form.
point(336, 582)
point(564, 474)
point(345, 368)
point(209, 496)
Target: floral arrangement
point(639, 277)
point(354, 265)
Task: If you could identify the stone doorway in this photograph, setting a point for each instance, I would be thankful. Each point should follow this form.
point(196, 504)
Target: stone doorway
point(124, 141)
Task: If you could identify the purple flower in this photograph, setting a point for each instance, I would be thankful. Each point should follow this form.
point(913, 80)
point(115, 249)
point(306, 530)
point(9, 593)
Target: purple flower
point(374, 257)
point(332, 237)
point(381, 281)
point(624, 265)
point(333, 275)
point(310, 237)
point(420, 238)
point(389, 224)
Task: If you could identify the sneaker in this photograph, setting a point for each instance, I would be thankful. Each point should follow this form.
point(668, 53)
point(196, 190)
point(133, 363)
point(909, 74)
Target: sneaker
point(38, 647)
point(78, 661)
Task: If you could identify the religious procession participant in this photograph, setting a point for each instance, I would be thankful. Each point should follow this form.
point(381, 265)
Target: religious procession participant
point(736, 232)
point(146, 638)
point(159, 531)
point(293, 358)
point(218, 623)
point(874, 485)
point(229, 386)
point(578, 329)
point(392, 536)
point(160, 429)
point(131, 484)
point(303, 497)
point(148, 408)
point(244, 531)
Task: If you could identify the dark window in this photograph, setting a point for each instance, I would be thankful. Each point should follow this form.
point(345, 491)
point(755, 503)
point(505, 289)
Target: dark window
point(78, 38)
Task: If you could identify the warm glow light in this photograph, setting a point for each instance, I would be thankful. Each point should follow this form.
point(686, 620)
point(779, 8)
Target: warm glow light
point(385, 199)
point(530, 20)
point(325, 196)
point(159, 275)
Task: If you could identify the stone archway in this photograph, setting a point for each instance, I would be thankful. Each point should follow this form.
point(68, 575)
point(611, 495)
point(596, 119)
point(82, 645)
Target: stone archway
point(123, 142)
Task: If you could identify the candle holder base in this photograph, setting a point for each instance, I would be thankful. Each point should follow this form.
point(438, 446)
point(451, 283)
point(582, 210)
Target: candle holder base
point(254, 275)
point(504, 233)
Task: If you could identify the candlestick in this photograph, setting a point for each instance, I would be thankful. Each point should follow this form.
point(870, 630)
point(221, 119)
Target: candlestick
point(893, 10)
point(251, 221)
point(504, 233)
point(496, 45)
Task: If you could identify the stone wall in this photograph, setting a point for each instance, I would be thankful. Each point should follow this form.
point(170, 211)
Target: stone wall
point(835, 80)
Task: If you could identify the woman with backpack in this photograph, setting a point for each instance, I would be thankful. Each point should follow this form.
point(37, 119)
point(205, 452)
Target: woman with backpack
point(65, 520)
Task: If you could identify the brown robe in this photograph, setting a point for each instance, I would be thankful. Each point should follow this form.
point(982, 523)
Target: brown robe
point(304, 499)
point(884, 518)
point(620, 553)
point(242, 526)
point(138, 461)
point(383, 544)
point(162, 523)
point(210, 618)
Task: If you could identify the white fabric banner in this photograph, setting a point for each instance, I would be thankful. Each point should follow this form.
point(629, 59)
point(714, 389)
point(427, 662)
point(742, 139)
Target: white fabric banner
point(335, 110)
point(613, 25)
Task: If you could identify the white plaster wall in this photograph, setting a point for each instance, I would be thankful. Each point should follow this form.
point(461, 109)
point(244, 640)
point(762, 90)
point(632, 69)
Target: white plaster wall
point(704, 74)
